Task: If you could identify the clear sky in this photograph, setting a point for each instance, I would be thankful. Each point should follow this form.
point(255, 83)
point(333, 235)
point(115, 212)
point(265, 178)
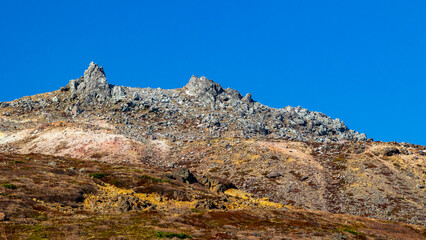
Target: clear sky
point(361, 61)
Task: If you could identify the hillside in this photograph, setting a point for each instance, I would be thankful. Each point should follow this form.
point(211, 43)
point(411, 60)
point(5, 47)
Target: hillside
point(95, 160)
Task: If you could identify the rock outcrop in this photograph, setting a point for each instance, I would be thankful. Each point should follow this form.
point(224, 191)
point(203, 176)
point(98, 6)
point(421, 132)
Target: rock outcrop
point(93, 85)
point(202, 108)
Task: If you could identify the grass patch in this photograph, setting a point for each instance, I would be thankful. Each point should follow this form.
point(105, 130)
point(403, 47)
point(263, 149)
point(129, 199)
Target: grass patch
point(161, 234)
point(97, 175)
point(214, 170)
point(351, 230)
point(196, 210)
point(10, 186)
point(153, 179)
point(98, 155)
point(339, 159)
point(40, 217)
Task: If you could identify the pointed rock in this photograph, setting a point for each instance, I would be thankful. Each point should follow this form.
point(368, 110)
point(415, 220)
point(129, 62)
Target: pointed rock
point(94, 73)
point(93, 85)
point(234, 93)
point(136, 96)
point(247, 98)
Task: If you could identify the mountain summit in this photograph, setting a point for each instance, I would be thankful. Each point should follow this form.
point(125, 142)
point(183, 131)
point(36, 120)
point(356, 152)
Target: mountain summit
point(200, 109)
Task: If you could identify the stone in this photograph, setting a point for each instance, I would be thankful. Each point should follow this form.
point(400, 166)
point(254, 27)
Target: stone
point(75, 110)
point(304, 178)
point(118, 93)
point(273, 174)
point(389, 151)
point(247, 98)
point(136, 96)
point(201, 86)
point(3, 217)
point(124, 206)
point(64, 89)
point(184, 175)
point(73, 84)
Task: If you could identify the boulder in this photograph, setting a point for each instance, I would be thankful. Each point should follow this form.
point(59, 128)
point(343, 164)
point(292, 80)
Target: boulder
point(273, 174)
point(118, 93)
point(3, 217)
point(184, 175)
point(389, 151)
point(136, 96)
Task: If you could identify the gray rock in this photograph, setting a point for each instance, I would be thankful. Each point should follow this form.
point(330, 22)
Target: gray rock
point(55, 99)
point(184, 175)
point(94, 84)
point(247, 98)
point(75, 111)
point(389, 151)
point(136, 96)
point(73, 84)
point(202, 86)
point(118, 93)
point(273, 174)
point(4, 104)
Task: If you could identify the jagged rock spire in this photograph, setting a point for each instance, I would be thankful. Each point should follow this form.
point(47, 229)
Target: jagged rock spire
point(94, 73)
point(93, 85)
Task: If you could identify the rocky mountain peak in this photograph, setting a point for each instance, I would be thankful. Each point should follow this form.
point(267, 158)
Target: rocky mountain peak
point(94, 73)
point(211, 110)
point(202, 86)
point(93, 85)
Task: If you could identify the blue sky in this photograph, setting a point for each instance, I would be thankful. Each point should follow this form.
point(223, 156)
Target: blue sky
point(361, 61)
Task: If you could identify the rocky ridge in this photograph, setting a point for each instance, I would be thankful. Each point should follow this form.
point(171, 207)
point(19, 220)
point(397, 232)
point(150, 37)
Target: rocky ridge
point(202, 108)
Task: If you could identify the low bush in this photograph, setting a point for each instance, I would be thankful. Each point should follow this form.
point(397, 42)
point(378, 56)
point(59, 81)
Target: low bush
point(146, 177)
point(161, 234)
point(97, 175)
point(10, 186)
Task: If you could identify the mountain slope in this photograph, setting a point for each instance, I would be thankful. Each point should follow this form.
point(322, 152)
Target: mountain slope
point(221, 152)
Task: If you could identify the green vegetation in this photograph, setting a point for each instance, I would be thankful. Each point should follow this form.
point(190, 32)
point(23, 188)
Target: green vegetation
point(97, 175)
point(146, 177)
point(161, 234)
point(339, 159)
point(350, 229)
point(40, 217)
point(196, 210)
point(10, 186)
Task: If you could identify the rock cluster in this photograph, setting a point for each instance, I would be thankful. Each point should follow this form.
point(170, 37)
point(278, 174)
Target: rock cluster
point(214, 184)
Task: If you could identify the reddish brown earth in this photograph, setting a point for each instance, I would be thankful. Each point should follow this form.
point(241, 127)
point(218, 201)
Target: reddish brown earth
point(51, 196)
